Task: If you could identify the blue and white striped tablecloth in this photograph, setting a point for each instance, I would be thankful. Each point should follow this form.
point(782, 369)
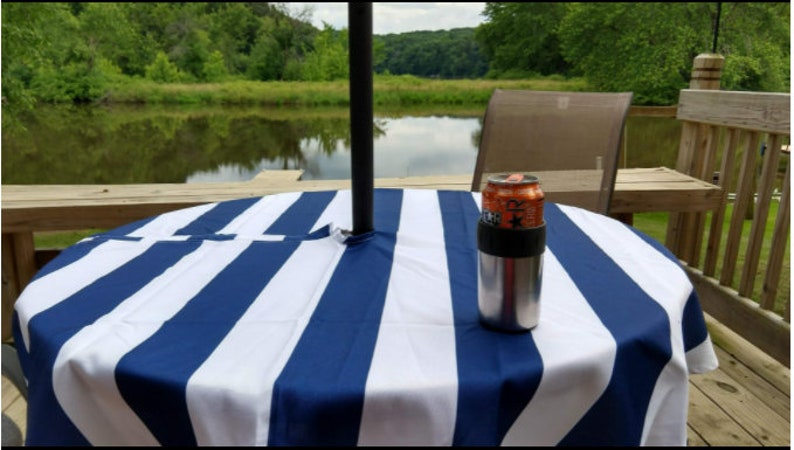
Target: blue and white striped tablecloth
point(259, 321)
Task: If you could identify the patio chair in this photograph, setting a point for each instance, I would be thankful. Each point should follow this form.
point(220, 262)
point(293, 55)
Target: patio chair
point(540, 132)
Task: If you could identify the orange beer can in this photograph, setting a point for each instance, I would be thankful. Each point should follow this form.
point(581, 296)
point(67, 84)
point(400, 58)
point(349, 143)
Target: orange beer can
point(512, 200)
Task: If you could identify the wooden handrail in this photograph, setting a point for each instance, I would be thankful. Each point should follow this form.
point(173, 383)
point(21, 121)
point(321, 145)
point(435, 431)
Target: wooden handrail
point(28, 208)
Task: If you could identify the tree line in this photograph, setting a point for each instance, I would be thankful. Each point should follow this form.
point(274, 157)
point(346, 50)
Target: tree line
point(644, 47)
point(72, 52)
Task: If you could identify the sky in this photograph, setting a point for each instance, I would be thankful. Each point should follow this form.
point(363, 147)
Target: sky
point(399, 17)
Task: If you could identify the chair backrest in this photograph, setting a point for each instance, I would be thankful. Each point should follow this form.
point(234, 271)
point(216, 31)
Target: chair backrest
point(539, 131)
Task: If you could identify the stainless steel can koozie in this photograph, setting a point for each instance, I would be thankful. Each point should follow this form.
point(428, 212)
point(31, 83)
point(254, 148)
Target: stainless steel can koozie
point(510, 254)
point(509, 276)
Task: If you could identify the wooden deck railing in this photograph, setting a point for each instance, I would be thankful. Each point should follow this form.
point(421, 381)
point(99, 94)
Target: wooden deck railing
point(733, 134)
point(730, 136)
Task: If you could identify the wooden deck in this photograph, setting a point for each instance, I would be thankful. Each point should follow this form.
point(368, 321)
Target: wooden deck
point(746, 402)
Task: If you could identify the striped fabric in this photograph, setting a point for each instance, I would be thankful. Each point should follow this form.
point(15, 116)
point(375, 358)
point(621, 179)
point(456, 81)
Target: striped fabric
point(261, 321)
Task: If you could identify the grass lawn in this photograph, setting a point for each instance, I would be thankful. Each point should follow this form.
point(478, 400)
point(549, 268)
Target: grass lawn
point(60, 239)
point(655, 225)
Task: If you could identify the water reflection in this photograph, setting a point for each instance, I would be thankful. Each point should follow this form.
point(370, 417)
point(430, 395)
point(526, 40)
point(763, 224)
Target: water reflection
point(407, 146)
point(156, 144)
point(85, 145)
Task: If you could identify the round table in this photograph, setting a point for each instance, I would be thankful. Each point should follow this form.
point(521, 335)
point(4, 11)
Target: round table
point(262, 321)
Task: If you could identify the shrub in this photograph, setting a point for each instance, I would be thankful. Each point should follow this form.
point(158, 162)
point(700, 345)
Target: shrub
point(162, 70)
point(75, 82)
point(214, 69)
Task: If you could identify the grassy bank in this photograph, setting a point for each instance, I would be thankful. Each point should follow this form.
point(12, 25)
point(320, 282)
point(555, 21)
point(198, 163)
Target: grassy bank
point(387, 90)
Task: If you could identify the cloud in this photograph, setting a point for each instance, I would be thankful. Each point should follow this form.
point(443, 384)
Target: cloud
point(398, 17)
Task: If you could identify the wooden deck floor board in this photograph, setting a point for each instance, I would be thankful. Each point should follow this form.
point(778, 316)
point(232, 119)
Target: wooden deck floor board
point(754, 384)
point(713, 425)
point(749, 411)
point(693, 438)
point(14, 406)
point(763, 365)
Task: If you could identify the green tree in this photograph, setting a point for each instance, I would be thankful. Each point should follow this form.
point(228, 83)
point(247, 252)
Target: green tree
point(755, 40)
point(280, 47)
point(648, 48)
point(28, 43)
point(644, 47)
point(214, 68)
point(163, 70)
point(192, 52)
point(46, 58)
point(522, 37)
point(186, 40)
point(233, 29)
point(329, 60)
point(442, 54)
point(640, 47)
point(153, 20)
point(267, 57)
point(76, 81)
point(109, 32)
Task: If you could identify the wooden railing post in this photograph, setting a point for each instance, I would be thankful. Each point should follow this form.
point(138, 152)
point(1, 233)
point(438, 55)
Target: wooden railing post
point(19, 267)
point(706, 71)
point(685, 230)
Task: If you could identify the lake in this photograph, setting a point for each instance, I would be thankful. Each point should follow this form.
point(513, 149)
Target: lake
point(157, 144)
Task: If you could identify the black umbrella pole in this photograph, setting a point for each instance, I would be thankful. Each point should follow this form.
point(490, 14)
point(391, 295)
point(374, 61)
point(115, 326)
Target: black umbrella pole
point(359, 16)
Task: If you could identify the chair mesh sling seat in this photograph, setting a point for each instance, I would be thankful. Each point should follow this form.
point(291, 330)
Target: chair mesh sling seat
point(541, 132)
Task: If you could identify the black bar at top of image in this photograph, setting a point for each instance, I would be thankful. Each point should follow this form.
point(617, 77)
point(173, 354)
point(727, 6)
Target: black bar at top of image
point(359, 17)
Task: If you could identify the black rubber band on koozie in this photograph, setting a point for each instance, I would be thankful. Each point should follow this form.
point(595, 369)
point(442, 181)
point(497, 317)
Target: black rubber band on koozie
point(511, 243)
